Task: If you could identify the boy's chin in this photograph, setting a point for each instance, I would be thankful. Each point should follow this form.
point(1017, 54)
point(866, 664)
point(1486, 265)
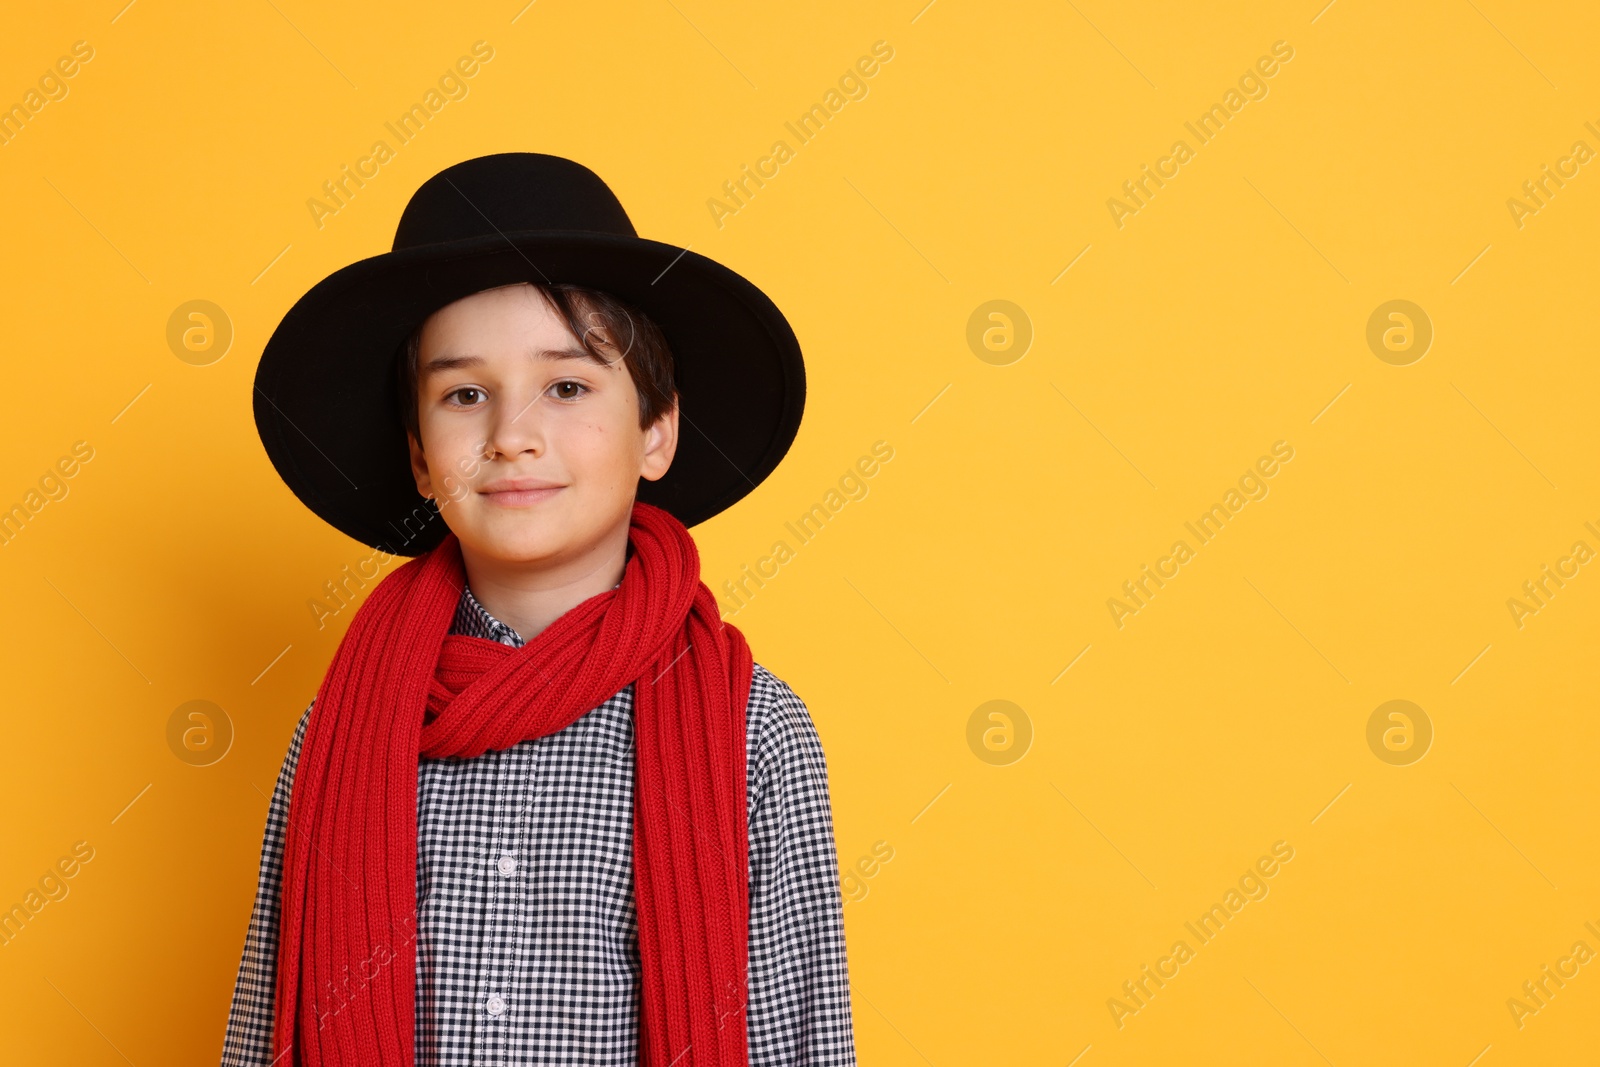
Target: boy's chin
point(553, 532)
point(518, 538)
point(510, 543)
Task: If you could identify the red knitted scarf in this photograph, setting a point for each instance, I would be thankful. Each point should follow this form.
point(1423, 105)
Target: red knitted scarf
point(400, 687)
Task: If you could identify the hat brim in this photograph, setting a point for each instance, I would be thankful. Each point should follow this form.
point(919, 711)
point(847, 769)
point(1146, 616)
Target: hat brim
point(325, 404)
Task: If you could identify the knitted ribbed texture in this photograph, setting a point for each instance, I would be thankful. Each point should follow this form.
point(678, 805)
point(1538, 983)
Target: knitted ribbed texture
point(400, 688)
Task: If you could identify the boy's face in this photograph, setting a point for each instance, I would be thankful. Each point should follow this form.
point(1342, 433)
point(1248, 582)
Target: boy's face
point(532, 450)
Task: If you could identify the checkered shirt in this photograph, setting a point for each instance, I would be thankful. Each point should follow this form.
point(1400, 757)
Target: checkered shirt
point(527, 944)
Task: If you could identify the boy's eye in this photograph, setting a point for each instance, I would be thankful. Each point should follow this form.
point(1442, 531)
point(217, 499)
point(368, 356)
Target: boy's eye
point(467, 395)
point(578, 389)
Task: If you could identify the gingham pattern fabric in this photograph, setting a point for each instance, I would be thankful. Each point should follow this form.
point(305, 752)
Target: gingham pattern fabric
point(527, 947)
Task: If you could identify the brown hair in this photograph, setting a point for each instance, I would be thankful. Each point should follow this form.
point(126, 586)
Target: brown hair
point(611, 322)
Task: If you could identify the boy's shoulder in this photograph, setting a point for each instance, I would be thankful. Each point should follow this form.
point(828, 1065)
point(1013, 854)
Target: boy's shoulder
point(778, 723)
point(771, 697)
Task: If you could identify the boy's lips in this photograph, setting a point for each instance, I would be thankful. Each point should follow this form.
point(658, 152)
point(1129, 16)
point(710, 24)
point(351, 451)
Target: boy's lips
point(517, 492)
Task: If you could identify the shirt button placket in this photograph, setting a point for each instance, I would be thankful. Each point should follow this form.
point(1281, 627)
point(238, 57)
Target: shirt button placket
point(495, 972)
point(503, 868)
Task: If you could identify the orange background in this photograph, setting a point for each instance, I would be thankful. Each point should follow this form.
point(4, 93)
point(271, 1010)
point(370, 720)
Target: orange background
point(1035, 862)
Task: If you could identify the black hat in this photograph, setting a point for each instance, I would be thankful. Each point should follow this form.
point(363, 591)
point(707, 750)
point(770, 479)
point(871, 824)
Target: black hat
point(325, 392)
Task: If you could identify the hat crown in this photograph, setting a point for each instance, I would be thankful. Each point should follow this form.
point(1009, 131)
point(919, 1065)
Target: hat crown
point(507, 193)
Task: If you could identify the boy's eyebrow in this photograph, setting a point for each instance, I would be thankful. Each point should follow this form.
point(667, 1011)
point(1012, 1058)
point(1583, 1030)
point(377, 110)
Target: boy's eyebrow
point(444, 363)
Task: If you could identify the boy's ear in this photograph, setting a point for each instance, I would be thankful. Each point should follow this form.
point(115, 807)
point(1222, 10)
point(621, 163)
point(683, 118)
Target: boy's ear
point(660, 444)
point(419, 466)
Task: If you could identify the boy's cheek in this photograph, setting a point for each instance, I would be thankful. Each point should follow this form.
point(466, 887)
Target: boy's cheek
point(454, 490)
point(470, 465)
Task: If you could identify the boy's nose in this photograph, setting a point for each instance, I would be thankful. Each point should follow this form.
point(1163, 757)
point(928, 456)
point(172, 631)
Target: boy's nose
point(517, 427)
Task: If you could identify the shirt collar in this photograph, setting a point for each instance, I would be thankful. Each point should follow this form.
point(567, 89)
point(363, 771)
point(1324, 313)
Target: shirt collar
point(474, 620)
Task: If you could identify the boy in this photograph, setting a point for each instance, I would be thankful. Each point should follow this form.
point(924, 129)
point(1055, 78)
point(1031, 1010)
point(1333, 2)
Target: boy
point(545, 807)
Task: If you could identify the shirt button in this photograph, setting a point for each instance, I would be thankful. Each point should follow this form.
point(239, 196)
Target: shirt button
point(495, 1005)
point(506, 864)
